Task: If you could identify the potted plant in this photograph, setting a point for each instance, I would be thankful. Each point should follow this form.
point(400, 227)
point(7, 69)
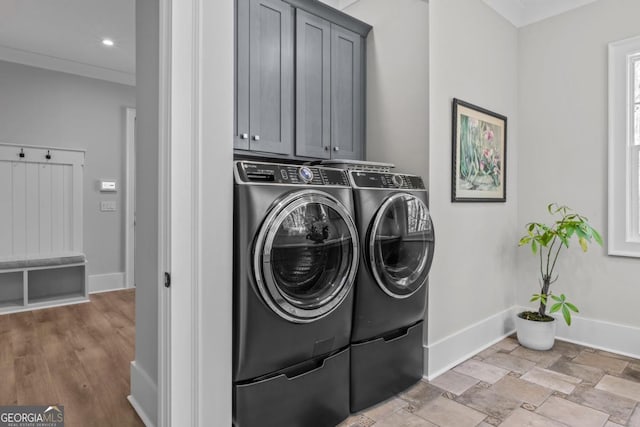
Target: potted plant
point(536, 329)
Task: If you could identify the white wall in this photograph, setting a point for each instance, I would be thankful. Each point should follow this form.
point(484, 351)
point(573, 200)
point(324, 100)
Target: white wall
point(50, 108)
point(473, 57)
point(563, 158)
point(397, 82)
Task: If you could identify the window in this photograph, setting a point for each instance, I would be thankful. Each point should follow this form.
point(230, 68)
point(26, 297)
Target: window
point(624, 147)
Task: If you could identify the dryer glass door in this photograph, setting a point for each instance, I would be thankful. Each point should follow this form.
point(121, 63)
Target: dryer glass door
point(306, 256)
point(401, 245)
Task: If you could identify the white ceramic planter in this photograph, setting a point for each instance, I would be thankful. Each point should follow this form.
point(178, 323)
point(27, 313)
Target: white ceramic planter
point(535, 335)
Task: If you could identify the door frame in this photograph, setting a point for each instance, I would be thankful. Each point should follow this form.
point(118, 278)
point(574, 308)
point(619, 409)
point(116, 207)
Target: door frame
point(130, 197)
point(195, 205)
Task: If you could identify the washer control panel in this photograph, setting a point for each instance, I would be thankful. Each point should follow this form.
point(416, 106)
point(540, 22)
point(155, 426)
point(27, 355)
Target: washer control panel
point(276, 173)
point(386, 180)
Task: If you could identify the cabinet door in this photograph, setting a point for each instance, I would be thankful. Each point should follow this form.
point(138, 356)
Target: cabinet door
point(241, 128)
point(346, 94)
point(271, 76)
point(313, 86)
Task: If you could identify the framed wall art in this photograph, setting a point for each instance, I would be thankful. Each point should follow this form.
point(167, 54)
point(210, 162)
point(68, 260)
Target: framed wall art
point(479, 167)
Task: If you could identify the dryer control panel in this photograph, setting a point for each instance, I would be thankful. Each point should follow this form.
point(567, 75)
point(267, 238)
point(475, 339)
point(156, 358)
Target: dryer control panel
point(386, 180)
point(276, 173)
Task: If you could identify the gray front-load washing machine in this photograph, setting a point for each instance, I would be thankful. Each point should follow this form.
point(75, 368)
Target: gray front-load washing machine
point(397, 247)
point(295, 259)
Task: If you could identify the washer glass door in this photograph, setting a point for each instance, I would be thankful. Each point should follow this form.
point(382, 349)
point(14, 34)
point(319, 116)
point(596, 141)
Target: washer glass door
point(306, 256)
point(401, 244)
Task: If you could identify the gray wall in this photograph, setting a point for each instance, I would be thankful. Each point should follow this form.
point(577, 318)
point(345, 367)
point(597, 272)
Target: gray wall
point(397, 82)
point(473, 58)
point(49, 108)
point(147, 151)
point(563, 109)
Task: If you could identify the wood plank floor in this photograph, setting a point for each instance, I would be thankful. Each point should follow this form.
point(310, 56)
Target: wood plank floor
point(77, 356)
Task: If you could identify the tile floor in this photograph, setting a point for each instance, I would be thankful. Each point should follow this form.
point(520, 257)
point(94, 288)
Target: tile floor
point(511, 386)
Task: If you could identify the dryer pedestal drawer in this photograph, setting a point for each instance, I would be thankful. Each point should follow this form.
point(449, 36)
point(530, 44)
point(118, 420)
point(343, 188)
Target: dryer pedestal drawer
point(383, 367)
point(312, 396)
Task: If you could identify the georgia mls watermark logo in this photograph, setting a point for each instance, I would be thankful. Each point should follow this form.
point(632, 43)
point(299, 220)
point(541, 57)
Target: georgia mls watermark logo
point(32, 416)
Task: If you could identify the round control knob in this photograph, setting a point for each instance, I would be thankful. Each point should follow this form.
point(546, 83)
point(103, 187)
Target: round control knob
point(397, 180)
point(305, 174)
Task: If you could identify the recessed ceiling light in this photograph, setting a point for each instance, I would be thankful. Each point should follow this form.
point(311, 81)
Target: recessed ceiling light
point(107, 42)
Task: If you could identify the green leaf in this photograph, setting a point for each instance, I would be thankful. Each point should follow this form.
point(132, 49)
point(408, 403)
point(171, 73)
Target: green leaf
point(556, 307)
point(597, 236)
point(572, 307)
point(583, 243)
point(534, 246)
point(534, 298)
point(567, 315)
point(555, 298)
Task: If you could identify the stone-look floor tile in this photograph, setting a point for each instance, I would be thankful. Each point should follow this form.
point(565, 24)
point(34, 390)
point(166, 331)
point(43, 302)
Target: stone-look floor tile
point(508, 344)
point(420, 394)
point(632, 372)
point(634, 421)
point(615, 355)
point(553, 380)
point(481, 370)
point(541, 358)
point(620, 386)
point(587, 374)
point(616, 406)
point(522, 390)
point(521, 418)
point(403, 419)
point(385, 408)
point(609, 364)
point(489, 402)
point(611, 424)
point(454, 382)
point(447, 413)
point(567, 349)
point(510, 362)
point(528, 406)
point(486, 353)
point(492, 421)
point(572, 414)
point(357, 421)
point(483, 424)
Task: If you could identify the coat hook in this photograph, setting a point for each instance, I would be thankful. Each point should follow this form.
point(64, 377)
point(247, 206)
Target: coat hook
point(21, 154)
point(48, 156)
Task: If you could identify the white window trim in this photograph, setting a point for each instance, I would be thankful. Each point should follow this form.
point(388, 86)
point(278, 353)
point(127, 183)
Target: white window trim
point(623, 238)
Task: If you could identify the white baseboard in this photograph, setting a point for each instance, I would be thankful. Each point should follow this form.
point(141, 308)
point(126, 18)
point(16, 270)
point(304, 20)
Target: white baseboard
point(106, 282)
point(454, 349)
point(144, 395)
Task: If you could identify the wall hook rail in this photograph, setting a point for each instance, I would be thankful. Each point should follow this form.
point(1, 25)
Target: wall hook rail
point(21, 154)
point(48, 156)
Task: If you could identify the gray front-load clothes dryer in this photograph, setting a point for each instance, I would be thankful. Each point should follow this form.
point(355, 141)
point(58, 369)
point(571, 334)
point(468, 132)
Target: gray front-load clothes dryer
point(397, 247)
point(397, 244)
point(296, 253)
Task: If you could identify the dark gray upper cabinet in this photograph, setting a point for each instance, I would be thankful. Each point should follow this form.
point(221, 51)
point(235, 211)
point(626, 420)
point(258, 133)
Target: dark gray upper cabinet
point(347, 100)
point(264, 86)
point(329, 90)
point(313, 86)
point(327, 109)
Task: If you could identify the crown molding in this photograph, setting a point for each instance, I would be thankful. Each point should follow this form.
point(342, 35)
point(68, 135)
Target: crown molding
point(66, 66)
point(524, 12)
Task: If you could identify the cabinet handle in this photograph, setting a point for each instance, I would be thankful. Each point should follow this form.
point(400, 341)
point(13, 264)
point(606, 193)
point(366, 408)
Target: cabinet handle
point(326, 148)
point(244, 136)
point(256, 137)
point(336, 148)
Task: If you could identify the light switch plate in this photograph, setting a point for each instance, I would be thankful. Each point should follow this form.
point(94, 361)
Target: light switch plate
point(108, 206)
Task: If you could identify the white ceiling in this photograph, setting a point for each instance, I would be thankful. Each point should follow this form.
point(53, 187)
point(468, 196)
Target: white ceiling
point(66, 35)
point(525, 12)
